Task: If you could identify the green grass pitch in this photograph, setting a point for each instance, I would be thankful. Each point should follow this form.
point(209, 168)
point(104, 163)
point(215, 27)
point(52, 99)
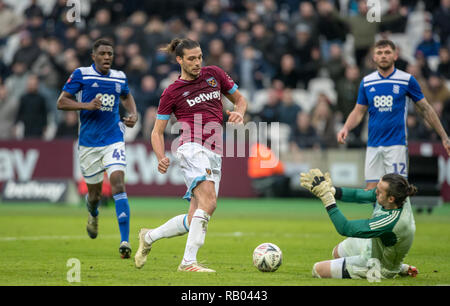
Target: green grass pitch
point(37, 240)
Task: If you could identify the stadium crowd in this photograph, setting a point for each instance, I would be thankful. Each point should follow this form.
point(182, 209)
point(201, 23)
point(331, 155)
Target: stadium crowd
point(298, 62)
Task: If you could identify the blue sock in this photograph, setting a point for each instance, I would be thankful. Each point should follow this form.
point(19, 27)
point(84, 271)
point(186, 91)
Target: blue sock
point(92, 208)
point(123, 215)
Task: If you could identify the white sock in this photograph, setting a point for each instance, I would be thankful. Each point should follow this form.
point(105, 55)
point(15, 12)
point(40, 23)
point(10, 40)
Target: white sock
point(196, 236)
point(174, 227)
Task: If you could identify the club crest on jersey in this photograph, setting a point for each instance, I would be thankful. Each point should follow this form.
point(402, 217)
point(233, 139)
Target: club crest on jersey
point(396, 89)
point(118, 88)
point(211, 82)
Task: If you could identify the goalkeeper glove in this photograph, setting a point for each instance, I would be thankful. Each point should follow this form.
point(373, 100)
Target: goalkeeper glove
point(319, 185)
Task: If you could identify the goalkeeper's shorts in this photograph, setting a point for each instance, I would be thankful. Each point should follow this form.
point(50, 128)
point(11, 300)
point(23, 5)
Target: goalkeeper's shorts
point(199, 164)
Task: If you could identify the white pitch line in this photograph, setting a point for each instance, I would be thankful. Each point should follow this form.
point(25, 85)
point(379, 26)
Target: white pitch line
point(81, 237)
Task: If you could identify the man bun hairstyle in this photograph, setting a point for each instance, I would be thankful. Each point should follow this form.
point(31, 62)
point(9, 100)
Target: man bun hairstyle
point(399, 188)
point(177, 45)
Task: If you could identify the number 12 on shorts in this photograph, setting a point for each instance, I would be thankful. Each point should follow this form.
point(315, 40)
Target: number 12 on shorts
point(399, 168)
point(119, 154)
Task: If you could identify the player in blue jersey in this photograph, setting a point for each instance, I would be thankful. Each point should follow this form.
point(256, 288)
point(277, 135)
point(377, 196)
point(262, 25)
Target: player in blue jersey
point(95, 92)
point(384, 94)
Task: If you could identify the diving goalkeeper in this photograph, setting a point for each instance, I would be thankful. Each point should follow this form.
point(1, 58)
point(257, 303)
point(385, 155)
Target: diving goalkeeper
point(383, 240)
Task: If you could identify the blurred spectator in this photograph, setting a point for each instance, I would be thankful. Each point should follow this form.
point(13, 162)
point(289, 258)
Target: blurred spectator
point(32, 111)
point(147, 94)
point(154, 35)
point(102, 24)
point(310, 70)
point(287, 71)
point(435, 89)
point(444, 63)
point(10, 22)
point(261, 40)
point(16, 83)
point(330, 25)
point(288, 108)
point(304, 136)
point(305, 16)
point(83, 50)
point(215, 50)
point(68, 127)
point(227, 63)
point(271, 109)
point(323, 121)
point(363, 32)
point(336, 63)
point(416, 129)
point(49, 67)
point(303, 43)
point(251, 72)
point(28, 50)
point(428, 46)
point(8, 110)
point(347, 88)
point(395, 19)
point(441, 22)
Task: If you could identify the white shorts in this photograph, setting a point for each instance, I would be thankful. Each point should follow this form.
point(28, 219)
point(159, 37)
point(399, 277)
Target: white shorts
point(384, 160)
point(199, 164)
point(356, 252)
point(95, 160)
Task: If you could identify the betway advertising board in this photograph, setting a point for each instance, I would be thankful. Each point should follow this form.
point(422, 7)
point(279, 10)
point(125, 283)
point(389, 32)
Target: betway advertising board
point(57, 161)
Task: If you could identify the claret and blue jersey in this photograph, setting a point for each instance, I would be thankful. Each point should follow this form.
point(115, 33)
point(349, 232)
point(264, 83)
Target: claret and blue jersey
point(100, 127)
point(386, 98)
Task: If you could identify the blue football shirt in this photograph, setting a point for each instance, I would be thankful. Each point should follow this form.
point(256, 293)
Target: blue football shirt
point(100, 127)
point(387, 99)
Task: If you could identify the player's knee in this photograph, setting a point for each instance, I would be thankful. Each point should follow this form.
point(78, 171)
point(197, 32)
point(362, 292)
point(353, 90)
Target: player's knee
point(335, 252)
point(94, 197)
point(117, 187)
point(317, 270)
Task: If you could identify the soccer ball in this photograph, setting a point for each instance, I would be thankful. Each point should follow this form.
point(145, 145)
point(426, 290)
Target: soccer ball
point(267, 257)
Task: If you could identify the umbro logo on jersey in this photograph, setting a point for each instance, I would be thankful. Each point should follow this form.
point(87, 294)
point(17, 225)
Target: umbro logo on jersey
point(94, 85)
point(372, 89)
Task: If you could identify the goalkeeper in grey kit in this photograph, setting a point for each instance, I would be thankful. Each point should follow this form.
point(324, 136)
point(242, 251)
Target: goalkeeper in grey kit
point(385, 238)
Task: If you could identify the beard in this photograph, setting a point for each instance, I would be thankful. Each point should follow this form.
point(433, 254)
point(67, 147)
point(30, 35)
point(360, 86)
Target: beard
point(385, 65)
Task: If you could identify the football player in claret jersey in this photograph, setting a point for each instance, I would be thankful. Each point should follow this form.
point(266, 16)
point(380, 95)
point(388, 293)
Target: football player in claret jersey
point(195, 99)
point(95, 92)
point(384, 94)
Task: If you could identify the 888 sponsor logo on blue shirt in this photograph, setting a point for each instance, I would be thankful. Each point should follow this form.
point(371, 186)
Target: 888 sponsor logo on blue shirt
point(108, 101)
point(383, 103)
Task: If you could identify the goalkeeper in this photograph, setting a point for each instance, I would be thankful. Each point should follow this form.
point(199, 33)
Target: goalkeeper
point(377, 246)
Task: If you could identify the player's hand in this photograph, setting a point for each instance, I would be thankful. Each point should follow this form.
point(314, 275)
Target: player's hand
point(163, 165)
point(235, 117)
point(95, 104)
point(318, 185)
point(342, 135)
point(130, 120)
point(328, 179)
point(446, 144)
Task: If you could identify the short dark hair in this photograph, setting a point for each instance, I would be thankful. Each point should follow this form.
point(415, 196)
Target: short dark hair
point(384, 43)
point(102, 42)
point(399, 188)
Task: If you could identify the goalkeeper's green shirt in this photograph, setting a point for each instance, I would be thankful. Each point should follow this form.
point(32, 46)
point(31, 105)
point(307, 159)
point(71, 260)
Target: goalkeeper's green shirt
point(391, 230)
